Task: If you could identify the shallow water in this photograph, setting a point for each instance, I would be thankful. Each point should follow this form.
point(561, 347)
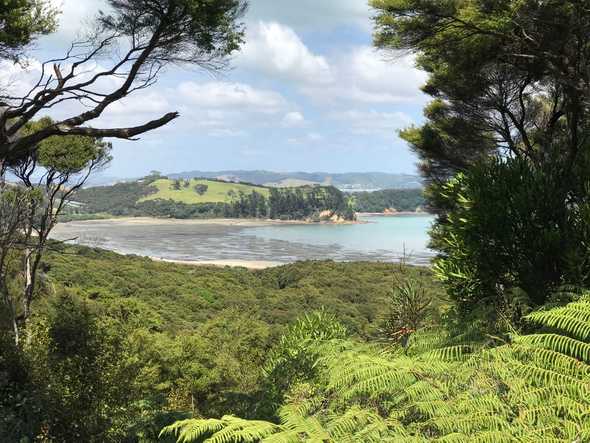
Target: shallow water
point(380, 239)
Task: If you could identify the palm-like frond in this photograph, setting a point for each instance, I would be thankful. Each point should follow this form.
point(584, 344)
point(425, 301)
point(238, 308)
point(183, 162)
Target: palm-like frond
point(536, 388)
point(228, 429)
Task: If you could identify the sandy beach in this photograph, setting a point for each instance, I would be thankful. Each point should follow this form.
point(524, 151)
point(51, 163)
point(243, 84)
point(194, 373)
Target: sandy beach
point(153, 221)
point(249, 264)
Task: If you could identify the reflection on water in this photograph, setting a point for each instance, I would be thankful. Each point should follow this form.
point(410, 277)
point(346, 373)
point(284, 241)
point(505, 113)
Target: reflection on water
point(381, 239)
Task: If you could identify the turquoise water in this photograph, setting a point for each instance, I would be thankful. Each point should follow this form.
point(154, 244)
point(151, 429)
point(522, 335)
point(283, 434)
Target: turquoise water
point(379, 239)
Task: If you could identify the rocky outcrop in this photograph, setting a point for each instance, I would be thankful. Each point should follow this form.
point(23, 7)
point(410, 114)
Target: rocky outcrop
point(331, 217)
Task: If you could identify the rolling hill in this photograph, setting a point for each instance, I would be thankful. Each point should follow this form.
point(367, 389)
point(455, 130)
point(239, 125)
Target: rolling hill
point(157, 196)
point(215, 192)
point(351, 181)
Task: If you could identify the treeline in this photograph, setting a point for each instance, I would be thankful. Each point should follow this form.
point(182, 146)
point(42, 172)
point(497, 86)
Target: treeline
point(300, 203)
point(119, 199)
point(282, 204)
point(406, 200)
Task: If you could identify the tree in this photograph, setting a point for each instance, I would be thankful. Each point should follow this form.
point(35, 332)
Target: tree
point(80, 359)
point(508, 78)
point(511, 237)
point(510, 86)
point(15, 203)
point(141, 37)
point(21, 21)
point(407, 311)
point(201, 189)
point(176, 185)
point(48, 178)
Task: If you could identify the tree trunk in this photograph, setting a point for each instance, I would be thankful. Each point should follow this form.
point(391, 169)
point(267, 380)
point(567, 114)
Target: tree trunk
point(10, 308)
point(28, 291)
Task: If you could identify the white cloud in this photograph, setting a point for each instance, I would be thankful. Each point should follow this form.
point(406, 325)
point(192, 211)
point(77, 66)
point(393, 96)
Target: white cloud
point(277, 50)
point(231, 95)
point(16, 80)
point(364, 75)
point(293, 120)
point(75, 17)
point(373, 122)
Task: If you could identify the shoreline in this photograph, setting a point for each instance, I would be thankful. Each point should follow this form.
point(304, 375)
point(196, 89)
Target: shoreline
point(254, 265)
point(394, 214)
point(238, 222)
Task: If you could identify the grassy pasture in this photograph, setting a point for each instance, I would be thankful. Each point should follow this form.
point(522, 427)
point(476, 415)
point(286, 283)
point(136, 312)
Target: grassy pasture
point(217, 192)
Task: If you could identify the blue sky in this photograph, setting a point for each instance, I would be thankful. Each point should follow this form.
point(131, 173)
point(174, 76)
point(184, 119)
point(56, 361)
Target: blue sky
point(307, 92)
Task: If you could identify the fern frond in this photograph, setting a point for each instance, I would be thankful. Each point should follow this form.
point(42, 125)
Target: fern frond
point(228, 429)
point(468, 424)
point(558, 343)
point(451, 353)
point(573, 319)
point(552, 360)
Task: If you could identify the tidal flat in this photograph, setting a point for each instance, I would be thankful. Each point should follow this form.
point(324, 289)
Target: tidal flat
point(256, 243)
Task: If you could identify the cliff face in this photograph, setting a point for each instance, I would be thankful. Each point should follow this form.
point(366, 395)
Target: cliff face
point(333, 217)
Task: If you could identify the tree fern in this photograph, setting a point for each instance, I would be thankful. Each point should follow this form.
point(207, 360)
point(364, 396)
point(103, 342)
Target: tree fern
point(535, 388)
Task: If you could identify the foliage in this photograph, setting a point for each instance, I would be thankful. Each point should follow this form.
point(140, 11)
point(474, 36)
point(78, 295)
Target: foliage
point(308, 201)
point(502, 245)
point(532, 389)
point(405, 200)
point(21, 21)
point(80, 360)
point(159, 197)
point(498, 88)
point(408, 310)
point(187, 341)
point(137, 38)
point(503, 146)
point(20, 405)
point(171, 298)
point(118, 199)
point(293, 359)
point(201, 189)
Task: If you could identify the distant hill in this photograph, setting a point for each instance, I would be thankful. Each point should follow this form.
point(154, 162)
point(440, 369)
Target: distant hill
point(159, 196)
point(352, 181)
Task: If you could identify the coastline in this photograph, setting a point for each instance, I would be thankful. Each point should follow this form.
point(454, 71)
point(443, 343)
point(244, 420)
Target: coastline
point(229, 242)
point(394, 214)
point(248, 264)
point(238, 222)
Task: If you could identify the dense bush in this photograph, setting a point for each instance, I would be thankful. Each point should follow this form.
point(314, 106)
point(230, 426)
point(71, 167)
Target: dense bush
point(512, 233)
point(533, 389)
point(127, 346)
point(378, 201)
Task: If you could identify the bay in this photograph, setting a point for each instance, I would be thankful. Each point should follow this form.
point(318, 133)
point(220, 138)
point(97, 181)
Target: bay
point(377, 238)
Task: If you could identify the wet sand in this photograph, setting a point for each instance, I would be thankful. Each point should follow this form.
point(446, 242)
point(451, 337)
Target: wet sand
point(249, 264)
point(149, 221)
point(241, 242)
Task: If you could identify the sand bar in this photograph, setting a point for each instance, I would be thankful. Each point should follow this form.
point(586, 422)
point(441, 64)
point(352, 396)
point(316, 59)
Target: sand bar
point(249, 264)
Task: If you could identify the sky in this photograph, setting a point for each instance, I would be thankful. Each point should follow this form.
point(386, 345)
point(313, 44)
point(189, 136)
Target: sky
point(307, 92)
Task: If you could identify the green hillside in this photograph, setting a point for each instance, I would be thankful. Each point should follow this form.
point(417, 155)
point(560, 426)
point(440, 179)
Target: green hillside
point(216, 192)
point(156, 196)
